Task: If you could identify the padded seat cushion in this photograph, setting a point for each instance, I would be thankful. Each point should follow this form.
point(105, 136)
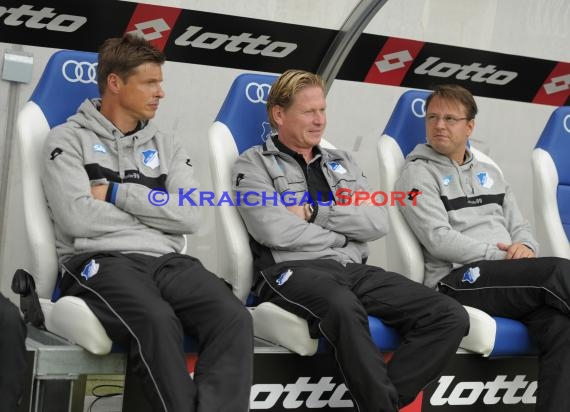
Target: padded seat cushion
point(276, 325)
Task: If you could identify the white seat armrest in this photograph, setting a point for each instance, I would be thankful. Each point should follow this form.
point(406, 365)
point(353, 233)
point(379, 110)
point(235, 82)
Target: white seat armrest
point(274, 324)
point(71, 318)
point(482, 332)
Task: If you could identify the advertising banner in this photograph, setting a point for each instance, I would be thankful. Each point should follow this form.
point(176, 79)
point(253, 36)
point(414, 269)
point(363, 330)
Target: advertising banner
point(215, 39)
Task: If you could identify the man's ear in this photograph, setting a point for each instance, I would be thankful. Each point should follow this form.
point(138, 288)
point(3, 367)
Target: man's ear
point(114, 83)
point(470, 127)
point(277, 112)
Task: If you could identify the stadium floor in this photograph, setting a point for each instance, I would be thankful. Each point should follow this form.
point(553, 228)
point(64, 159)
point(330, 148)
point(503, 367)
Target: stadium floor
point(104, 393)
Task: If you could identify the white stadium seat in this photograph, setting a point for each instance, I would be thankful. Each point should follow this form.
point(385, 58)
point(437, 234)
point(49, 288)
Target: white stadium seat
point(68, 79)
point(551, 172)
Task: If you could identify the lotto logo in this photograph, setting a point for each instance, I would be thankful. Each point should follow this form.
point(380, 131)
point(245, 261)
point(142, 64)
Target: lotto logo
point(500, 390)
point(322, 394)
point(45, 18)
point(558, 84)
point(151, 30)
point(394, 61)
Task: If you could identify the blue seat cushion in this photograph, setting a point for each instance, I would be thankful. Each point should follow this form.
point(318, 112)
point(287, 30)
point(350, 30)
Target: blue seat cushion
point(384, 337)
point(512, 339)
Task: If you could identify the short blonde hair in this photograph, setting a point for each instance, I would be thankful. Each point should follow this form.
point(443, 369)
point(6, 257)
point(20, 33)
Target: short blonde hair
point(287, 86)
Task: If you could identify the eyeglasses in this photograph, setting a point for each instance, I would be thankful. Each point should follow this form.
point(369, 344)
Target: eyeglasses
point(448, 120)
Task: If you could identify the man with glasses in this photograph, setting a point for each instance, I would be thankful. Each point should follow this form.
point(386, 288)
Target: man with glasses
point(477, 247)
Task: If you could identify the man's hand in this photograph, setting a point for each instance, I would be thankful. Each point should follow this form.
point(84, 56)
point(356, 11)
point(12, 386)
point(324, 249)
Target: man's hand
point(516, 250)
point(301, 211)
point(99, 191)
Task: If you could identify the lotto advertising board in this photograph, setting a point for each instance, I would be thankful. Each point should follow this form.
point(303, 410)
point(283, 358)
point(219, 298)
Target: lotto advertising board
point(252, 44)
point(284, 382)
point(469, 383)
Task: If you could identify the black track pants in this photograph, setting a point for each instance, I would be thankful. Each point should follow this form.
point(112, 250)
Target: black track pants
point(337, 299)
point(12, 355)
point(147, 304)
point(536, 292)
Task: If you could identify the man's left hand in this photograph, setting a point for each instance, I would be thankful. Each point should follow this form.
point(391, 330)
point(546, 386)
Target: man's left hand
point(516, 250)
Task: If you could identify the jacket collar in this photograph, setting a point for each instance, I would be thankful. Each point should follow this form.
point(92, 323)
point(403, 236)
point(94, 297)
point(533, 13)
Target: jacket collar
point(270, 148)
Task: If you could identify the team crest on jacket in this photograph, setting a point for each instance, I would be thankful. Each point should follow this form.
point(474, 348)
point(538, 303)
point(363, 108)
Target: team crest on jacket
point(150, 158)
point(446, 180)
point(98, 147)
point(485, 180)
point(336, 167)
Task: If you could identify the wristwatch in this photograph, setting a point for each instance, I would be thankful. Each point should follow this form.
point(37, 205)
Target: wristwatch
point(309, 207)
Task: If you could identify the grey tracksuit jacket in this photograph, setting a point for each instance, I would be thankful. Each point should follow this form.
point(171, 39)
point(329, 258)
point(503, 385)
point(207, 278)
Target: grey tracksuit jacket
point(462, 213)
point(338, 232)
point(88, 150)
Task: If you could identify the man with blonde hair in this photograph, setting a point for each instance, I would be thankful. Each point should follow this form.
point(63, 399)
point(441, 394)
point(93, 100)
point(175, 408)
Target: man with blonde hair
point(310, 256)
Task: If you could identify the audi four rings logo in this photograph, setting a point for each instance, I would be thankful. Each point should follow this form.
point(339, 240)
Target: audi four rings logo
point(419, 107)
point(257, 93)
point(566, 123)
point(82, 72)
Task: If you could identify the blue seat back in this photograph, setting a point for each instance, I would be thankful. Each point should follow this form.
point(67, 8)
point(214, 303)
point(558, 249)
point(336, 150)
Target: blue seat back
point(69, 78)
point(407, 122)
point(555, 139)
point(244, 110)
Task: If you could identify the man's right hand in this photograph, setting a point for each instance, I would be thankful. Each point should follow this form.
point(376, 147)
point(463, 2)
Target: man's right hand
point(99, 192)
